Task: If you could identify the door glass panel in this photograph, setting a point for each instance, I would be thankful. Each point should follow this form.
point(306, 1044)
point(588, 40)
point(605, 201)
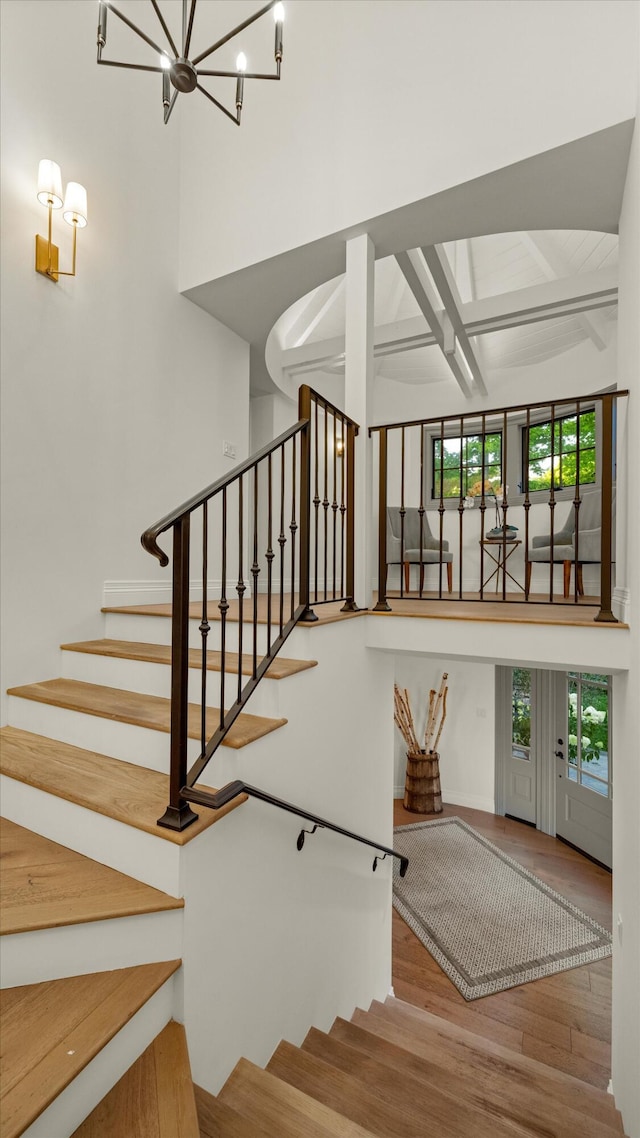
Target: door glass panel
point(589, 746)
point(521, 713)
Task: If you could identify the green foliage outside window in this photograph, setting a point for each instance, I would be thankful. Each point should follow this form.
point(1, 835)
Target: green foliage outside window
point(594, 719)
point(561, 457)
point(521, 707)
point(458, 465)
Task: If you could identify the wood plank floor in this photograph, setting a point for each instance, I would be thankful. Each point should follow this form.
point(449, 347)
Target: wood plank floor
point(562, 1020)
point(44, 885)
point(513, 611)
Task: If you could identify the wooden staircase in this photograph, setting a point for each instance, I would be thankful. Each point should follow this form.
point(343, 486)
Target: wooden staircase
point(91, 939)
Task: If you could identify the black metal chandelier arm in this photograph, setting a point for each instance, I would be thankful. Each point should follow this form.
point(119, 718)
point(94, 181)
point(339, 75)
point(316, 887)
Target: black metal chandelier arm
point(234, 32)
point(130, 24)
point(234, 74)
point(219, 105)
point(187, 42)
point(165, 28)
point(130, 66)
point(168, 110)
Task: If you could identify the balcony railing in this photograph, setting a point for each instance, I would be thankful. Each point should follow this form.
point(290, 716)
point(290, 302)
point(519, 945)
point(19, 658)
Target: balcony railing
point(507, 504)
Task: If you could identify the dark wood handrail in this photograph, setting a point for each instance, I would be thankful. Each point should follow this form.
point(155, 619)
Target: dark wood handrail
point(582, 399)
point(150, 535)
point(235, 789)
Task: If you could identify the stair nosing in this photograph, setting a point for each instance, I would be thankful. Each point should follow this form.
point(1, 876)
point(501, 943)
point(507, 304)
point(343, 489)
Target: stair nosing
point(144, 655)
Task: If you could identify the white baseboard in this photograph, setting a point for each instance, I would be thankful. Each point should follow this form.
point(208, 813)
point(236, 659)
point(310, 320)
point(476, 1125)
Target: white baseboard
point(621, 604)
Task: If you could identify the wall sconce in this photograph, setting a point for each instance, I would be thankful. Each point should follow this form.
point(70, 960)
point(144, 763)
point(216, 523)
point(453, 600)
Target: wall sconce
point(74, 212)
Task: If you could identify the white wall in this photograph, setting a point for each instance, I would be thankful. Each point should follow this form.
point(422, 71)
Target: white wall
point(467, 744)
point(626, 705)
point(276, 939)
point(385, 103)
point(116, 390)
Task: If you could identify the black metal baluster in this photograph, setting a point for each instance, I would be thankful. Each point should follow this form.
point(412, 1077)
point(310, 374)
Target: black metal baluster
point(334, 504)
point(255, 570)
point(576, 509)
point(223, 606)
point(350, 601)
point(325, 500)
point(240, 587)
point(269, 556)
point(293, 525)
point(606, 512)
point(460, 511)
point(483, 505)
point(527, 507)
point(316, 500)
point(403, 512)
point(304, 415)
point(204, 629)
point(505, 505)
point(441, 507)
point(282, 541)
point(382, 604)
point(421, 513)
point(179, 814)
point(552, 499)
point(343, 508)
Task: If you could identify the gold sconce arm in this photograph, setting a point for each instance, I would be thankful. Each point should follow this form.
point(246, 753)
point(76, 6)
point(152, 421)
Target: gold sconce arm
point(74, 213)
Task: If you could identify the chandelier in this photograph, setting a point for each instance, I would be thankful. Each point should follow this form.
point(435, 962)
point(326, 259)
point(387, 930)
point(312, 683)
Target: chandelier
point(176, 67)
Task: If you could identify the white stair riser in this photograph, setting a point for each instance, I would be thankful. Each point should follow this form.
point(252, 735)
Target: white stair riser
point(154, 860)
point(94, 946)
point(73, 1105)
point(155, 679)
point(157, 630)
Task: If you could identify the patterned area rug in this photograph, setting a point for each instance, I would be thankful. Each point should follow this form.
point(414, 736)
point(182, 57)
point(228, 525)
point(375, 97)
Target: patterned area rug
point(488, 922)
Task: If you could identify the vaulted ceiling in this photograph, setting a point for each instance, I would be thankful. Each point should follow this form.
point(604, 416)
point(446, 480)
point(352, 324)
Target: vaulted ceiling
point(467, 310)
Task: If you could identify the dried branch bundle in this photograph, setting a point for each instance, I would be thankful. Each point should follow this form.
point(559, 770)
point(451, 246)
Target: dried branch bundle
point(437, 713)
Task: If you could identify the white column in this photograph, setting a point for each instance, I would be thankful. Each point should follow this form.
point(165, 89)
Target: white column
point(358, 383)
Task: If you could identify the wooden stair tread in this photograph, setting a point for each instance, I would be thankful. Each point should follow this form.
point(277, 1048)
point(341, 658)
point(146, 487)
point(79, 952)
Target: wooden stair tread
point(511, 1099)
point(154, 1097)
point(450, 1112)
point(45, 885)
point(327, 613)
point(151, 711)
point(217, 1120)
point(281, 667)
point(486, 1055)
point(281, 1109)
point(133, 795)
point(51, 1031)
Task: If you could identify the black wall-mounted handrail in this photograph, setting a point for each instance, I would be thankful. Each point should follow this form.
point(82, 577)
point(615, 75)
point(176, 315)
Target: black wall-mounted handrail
point(235, 789)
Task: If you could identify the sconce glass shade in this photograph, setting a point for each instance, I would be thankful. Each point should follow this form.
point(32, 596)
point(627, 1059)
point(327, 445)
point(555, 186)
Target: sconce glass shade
point(49, 183)
point(75, 205)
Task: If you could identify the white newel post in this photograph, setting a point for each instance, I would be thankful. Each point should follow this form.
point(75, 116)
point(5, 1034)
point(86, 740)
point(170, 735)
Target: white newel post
point(358, 399)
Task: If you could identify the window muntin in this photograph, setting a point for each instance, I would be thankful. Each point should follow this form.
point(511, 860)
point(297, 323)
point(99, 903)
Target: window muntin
point(589, 738)
point(544, 451)
point(457, 462)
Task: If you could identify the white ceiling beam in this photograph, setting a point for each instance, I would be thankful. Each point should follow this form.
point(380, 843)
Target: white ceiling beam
point(561, 297)
point(545, 252)
point(415, 274)
point(440, 269)
point(319, 303)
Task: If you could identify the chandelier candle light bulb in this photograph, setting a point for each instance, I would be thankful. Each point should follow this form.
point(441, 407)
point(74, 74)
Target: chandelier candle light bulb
point(241, 67)
point(278, 15)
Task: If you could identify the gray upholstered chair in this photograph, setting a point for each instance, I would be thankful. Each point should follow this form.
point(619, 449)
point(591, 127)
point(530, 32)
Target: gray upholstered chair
point(564, 544)
point(403, 545)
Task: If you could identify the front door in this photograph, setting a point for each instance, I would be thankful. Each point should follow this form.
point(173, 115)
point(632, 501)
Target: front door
point(520, 753)
point(583, 765)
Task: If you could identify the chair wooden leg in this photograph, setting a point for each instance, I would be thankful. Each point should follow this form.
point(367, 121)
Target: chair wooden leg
point(450, 576)
point(527, 574)
point(566, 577)
point(407, 576)
point(422, 577)
point(579, 579)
